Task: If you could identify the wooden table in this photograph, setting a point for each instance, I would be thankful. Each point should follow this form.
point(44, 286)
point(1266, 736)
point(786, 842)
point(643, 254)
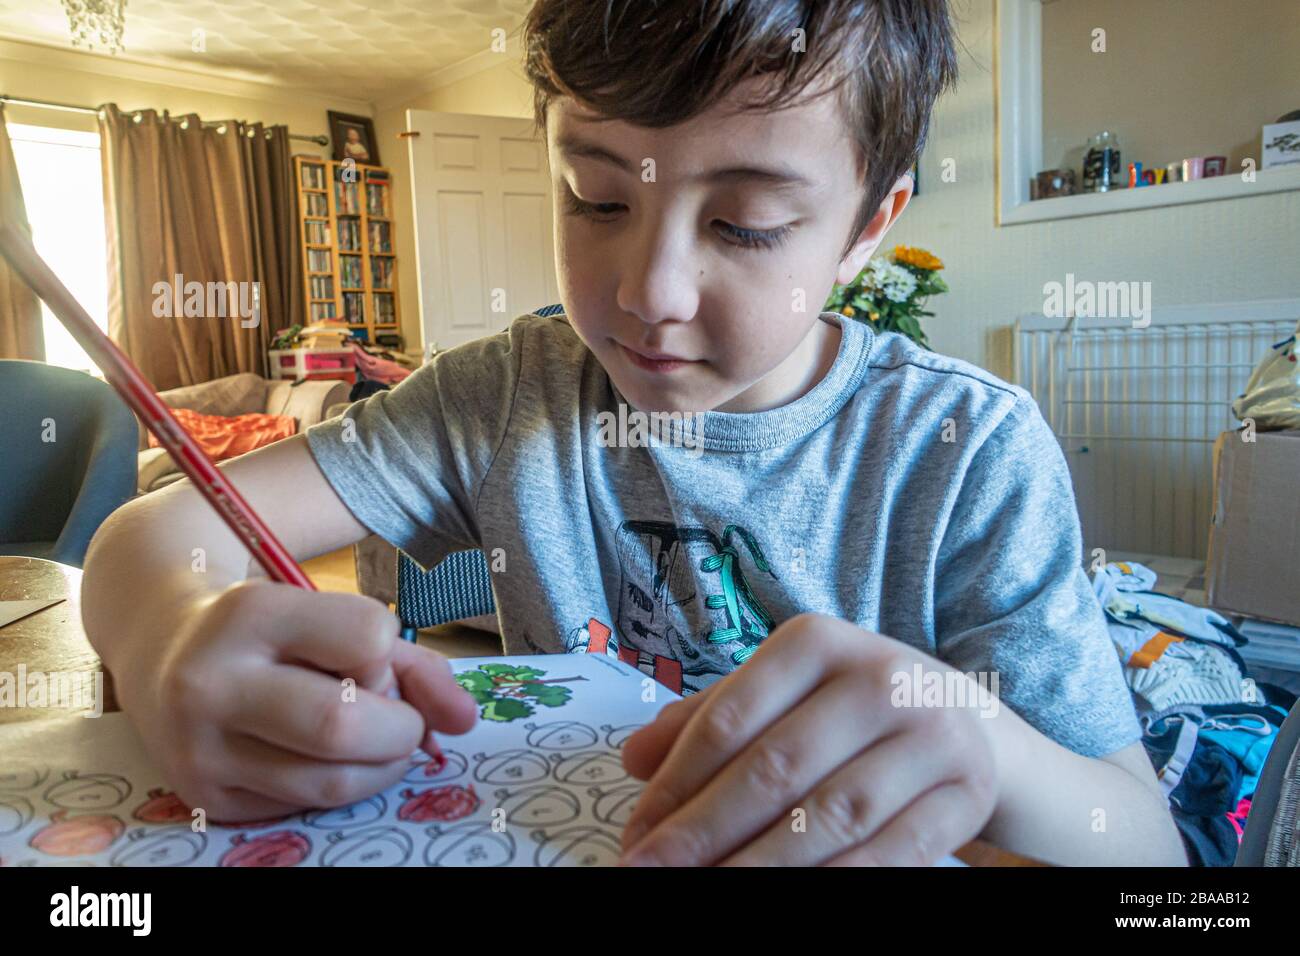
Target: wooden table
point(52, 640)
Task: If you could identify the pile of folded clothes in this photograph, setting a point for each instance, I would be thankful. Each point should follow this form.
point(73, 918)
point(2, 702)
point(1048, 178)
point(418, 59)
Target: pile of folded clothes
point(1207, 726)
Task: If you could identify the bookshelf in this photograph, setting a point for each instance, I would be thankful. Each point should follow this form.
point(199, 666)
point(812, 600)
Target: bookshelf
point(349, 263)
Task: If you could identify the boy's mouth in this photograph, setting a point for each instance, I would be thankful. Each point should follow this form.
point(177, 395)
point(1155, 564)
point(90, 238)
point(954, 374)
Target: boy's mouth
point(655, 361)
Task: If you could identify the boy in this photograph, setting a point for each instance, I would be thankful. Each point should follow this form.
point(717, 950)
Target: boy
point(837, 516)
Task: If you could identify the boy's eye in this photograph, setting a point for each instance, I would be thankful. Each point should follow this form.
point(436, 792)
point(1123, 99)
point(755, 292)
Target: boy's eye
point(755, 238)
point(737, 235)
point(579, 207)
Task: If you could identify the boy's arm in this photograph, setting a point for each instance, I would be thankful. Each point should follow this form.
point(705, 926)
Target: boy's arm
point(257, 698)
point(1013, 602)
point(166, 548)
point(1059, 807)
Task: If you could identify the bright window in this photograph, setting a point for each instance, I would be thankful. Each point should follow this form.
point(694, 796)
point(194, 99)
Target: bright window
point(62, 189)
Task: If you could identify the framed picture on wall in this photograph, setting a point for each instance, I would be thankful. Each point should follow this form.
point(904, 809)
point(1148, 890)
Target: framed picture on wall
point(353, 138)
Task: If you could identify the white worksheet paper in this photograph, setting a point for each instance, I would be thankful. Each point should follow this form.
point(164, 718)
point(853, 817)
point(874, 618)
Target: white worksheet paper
point(538, 781)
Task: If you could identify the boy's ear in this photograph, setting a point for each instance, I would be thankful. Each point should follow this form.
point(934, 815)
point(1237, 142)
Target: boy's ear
point(891, 207)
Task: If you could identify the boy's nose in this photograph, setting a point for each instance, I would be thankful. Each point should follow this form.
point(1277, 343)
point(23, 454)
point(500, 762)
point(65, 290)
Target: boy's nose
point(658, 280)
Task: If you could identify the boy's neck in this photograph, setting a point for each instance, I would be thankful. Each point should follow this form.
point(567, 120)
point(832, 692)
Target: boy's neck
point(795, 377)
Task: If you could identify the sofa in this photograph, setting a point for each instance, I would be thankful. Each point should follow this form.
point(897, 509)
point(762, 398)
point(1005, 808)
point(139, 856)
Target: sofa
point(308, 401)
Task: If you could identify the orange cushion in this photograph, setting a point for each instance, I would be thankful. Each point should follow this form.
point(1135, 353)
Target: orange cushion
point(225, 437)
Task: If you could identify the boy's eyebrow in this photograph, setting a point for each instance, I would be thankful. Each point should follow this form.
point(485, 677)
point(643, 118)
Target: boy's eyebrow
point(776, 177)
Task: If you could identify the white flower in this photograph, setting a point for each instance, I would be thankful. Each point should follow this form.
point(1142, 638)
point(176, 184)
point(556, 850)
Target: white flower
point(891, 279)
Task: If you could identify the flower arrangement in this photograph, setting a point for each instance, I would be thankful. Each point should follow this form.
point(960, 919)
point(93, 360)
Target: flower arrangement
point(890, 293)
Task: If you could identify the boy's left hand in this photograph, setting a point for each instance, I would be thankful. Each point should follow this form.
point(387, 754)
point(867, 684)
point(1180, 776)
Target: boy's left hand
point(800, 758)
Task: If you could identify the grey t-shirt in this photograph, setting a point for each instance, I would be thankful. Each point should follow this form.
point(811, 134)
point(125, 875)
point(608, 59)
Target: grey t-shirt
point(911, 494)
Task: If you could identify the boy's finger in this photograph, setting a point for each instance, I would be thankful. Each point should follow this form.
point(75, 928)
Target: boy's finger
point(646, 749)
point(305, 782)
point(931, 827)
point(428, 685)
point(793, 774)
point(842, 810)
point(240, 805)
point(739, 707)
point(345, 634)
point(317, 715)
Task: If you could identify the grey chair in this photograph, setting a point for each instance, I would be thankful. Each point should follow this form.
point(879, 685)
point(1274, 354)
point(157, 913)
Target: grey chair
point(69, 459)
point(1272, 835)
point(459, 587)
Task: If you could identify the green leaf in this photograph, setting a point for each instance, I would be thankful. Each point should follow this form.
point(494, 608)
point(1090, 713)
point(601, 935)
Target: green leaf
point(474, 681)
point(512, 671)
point(504, 709)
point(554, 695)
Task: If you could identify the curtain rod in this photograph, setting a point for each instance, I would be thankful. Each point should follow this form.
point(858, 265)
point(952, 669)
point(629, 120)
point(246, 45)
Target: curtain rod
point(68, 108)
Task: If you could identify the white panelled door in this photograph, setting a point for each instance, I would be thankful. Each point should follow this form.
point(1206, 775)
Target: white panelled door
point(483, 237)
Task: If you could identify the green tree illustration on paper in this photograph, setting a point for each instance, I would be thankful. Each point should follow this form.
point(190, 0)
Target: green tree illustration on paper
point(510, 691)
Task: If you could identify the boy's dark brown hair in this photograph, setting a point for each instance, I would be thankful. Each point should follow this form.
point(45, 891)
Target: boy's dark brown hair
point(656, 63)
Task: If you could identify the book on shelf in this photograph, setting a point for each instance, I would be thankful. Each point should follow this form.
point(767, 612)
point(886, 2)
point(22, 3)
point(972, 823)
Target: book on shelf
point(313, 176)
point(345, 194)
point(380, 237)
point(322, 287)
point(350, 235)
point(384, 312)
point(321, 310)
point(350, 272)
point(381, 273)
point(354, 307)
point(318, 260)
point(316, 204)
point(377, 199)
point(318, 233)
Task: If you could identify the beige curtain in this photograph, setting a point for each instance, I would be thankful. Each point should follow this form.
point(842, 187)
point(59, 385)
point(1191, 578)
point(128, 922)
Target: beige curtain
point(22, 334)
point(210, 204)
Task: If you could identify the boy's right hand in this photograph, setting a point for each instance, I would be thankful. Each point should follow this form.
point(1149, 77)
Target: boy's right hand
point(249, 713)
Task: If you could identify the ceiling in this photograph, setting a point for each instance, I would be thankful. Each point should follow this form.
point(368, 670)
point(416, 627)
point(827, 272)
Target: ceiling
point(362, 49)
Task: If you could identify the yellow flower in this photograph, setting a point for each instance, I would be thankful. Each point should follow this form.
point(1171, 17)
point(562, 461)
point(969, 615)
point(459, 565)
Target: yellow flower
point(874, 316)
point(913, 256)
point(847, 311)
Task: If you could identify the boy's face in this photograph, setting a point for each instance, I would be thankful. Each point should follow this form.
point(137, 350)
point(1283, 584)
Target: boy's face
point(680, 258)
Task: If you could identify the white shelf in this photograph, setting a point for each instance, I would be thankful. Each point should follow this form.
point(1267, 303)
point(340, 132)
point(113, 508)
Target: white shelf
point(1018, 108)
point(1231, 186)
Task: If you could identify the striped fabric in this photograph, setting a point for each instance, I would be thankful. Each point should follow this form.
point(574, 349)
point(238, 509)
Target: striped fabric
point(459, 587)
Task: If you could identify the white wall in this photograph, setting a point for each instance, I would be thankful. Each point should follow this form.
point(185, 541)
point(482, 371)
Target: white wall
point(1178, 78)
point(1233, 249)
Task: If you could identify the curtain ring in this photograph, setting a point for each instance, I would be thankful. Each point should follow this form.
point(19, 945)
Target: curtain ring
point(221, 128)
point(137, 117)
point(185, 123)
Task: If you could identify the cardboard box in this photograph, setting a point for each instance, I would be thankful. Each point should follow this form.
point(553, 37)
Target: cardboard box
point(1254, 562)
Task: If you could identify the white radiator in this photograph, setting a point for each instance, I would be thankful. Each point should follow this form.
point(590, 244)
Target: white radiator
point(1137, 410)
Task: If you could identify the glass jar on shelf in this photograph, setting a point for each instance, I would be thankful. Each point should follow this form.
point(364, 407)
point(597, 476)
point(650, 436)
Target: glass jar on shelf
point(1102, 163)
